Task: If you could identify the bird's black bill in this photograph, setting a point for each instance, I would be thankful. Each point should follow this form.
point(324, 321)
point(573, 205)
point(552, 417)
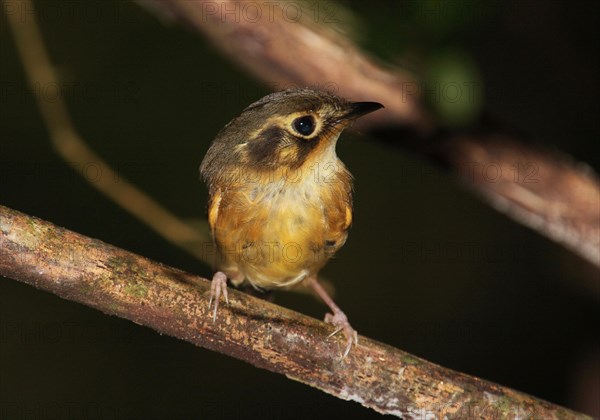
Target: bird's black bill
point(358, 109)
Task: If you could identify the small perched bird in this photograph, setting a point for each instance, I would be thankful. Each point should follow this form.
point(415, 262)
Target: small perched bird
point(280, 199)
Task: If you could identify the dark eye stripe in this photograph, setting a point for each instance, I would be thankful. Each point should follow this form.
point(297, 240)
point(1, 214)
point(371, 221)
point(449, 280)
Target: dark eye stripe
point(262, 149)
point(304, 125)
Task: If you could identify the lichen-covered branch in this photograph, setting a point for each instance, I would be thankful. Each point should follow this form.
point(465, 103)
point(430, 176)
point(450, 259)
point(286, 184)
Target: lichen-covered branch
point(173, 302)
point(549, 192)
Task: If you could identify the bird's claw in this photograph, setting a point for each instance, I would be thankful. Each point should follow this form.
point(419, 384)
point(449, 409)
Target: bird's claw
point(340, 320)
point(218, 286)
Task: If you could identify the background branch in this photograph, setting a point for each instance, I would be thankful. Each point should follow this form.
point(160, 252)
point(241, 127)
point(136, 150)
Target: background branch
point(73, 149)
point(546, 191)
point(173, 302)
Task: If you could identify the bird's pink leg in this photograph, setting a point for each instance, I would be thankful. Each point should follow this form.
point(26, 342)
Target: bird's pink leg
point(218, 286)
point(337, 317)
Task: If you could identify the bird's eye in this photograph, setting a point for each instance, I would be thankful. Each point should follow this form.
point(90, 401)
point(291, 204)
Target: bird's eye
point(304, 125)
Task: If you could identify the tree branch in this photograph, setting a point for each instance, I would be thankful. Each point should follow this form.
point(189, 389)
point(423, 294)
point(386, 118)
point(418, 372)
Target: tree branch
point(546, 191)
point(173, 302)
point(74, 150)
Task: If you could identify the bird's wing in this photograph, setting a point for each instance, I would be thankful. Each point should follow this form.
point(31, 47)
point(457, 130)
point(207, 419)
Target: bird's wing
point(213, 210)
point(347, 216)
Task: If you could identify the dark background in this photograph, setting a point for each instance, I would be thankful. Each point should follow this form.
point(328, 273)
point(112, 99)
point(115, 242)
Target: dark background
point(427, 268)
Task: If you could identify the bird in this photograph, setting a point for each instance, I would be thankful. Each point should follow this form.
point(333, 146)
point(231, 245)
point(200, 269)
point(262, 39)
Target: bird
point(280, 199)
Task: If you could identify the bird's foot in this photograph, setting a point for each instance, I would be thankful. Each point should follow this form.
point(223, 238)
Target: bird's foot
point(340, 321)
point(218, 286)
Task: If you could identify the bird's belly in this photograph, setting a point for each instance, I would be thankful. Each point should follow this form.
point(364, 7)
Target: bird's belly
point(277, 239)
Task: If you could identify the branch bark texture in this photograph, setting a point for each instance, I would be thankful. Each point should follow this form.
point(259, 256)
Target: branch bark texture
point(173, 302)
